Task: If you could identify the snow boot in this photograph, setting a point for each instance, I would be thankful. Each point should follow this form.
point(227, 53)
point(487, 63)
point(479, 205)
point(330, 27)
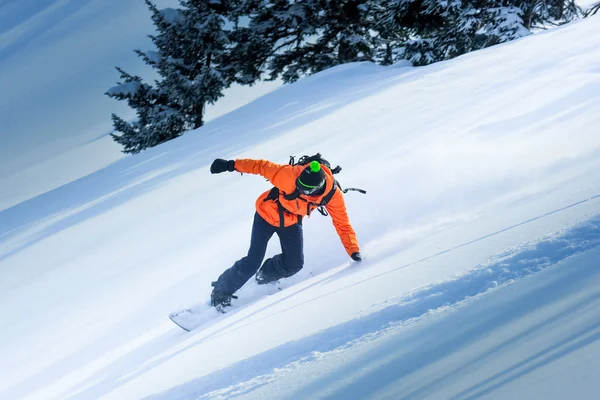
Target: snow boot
point(262, 278)
point(220, 300)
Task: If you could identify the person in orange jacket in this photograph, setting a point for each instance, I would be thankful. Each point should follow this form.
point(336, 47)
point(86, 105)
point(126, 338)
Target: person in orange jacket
point(298, 190)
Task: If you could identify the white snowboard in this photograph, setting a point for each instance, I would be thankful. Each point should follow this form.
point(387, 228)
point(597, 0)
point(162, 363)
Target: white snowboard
point(190, 319)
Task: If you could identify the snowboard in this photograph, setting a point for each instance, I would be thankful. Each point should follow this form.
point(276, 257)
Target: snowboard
point(193, 318)
point(190, 319)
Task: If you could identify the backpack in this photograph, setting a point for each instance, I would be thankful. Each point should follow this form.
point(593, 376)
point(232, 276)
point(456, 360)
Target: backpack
point(305, 160)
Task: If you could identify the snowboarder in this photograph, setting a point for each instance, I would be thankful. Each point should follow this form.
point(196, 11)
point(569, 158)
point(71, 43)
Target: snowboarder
point(298, 190)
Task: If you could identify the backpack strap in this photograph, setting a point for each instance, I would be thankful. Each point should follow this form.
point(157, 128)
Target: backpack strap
point(327, 198)
point(274, 196)
point(321, 206)
point(354, 190)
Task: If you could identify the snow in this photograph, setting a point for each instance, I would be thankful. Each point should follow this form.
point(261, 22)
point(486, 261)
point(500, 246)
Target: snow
point(586, 4)
point(480, 233)
point(541, 341)
point(125, 89)
point(172, 15)
point(153, 56)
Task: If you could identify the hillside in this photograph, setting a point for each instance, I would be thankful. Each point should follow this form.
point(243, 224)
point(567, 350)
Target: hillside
point(480, 232)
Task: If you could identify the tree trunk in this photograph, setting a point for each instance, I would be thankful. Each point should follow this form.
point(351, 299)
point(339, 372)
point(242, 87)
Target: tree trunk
point(527, 16)
point(560, 9)
point(199, 115)
point(346, 53)
point(199, 109)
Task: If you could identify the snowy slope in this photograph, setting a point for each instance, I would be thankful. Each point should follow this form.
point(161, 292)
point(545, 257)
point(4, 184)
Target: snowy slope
point(482, 177)
point(540, 342)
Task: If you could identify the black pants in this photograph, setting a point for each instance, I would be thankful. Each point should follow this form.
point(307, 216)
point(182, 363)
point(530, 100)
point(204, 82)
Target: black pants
point(286, 264)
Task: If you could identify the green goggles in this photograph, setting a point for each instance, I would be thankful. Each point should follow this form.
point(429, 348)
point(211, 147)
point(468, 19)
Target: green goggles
point(308, 189)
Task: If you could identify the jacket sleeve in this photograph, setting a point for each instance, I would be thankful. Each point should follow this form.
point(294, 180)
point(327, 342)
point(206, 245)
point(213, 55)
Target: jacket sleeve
point(337, 209)
point(281, 176)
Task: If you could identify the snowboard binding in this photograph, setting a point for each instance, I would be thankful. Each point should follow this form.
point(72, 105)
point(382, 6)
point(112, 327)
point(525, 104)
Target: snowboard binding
point(220, 300)
point(262, 278)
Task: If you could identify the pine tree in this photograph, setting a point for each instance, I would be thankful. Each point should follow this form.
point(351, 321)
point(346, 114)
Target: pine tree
point(157, 118)
point(413, 24)
point(347, 24)
point(305, 37)
point(540, 13)
point(250, 47)
point(463, 26)
point(192, 60)
point(283, 26)
point(443, 29)
point(503, 24)
point(390, 35)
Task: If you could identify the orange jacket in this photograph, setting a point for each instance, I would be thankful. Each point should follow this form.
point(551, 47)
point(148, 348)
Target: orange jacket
point(283, 177)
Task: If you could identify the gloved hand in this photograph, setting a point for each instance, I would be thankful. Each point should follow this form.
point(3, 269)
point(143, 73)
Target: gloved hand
point(220, 165)
point(356, 256)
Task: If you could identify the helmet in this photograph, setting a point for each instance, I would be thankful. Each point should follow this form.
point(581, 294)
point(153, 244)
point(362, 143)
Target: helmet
point(311, 180)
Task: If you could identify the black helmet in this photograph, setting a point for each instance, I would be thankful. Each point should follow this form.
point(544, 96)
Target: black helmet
point(311, 180)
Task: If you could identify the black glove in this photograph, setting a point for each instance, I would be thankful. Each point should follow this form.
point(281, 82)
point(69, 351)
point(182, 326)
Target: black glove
point(356, 256)
point(220, 165)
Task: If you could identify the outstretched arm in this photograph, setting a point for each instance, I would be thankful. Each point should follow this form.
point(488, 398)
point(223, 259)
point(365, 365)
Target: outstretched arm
point(337, 209)
point(281, 176)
